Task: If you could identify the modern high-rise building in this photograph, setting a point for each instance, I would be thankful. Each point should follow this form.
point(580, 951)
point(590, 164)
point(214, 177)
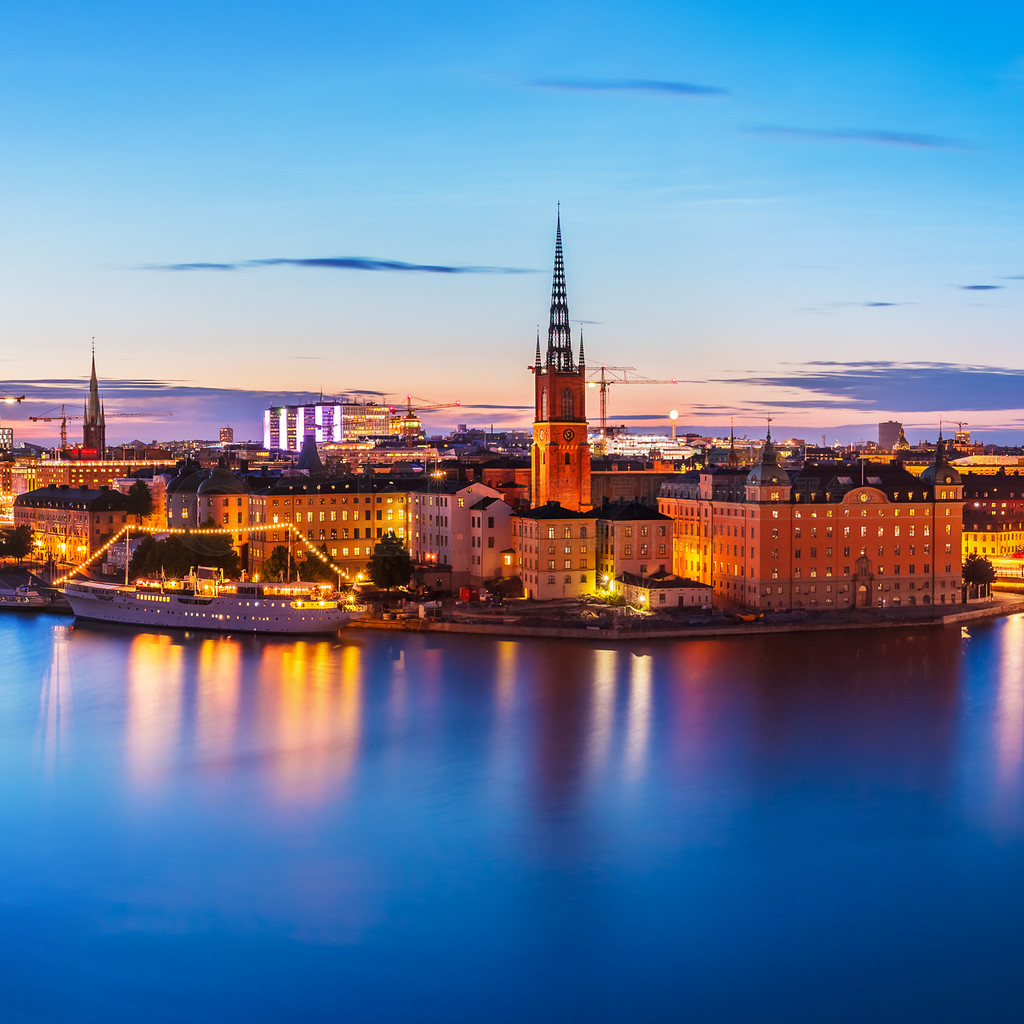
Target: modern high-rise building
point(560, 454)
point(227, 435)
point(889, 434)
point(94, 423)
point(286, 426)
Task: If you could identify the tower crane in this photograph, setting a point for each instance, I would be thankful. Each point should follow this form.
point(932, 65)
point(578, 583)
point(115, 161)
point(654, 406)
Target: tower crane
point(407, 424)
point(603, 377)
point(64, 417)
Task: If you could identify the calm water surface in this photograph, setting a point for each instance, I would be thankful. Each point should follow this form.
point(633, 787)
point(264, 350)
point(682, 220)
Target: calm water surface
point(385, 828)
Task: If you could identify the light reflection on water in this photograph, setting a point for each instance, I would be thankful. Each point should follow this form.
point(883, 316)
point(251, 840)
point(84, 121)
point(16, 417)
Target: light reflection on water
point(370, 828)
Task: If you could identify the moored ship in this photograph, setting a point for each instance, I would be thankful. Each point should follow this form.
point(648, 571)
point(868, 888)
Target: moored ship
point(213, 604)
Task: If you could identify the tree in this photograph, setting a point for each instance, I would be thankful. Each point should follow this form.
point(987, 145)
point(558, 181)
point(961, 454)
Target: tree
point(313, 570)
point(390, 564)
point(978, 571)
point(140, 501)
point(16, 543)
point(177, 555)
point(276, 566)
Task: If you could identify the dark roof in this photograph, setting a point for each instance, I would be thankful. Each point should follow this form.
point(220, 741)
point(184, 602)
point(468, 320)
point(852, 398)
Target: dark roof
point(659, 581)
point(101, 499)
point(553, 510)
point(629, 510)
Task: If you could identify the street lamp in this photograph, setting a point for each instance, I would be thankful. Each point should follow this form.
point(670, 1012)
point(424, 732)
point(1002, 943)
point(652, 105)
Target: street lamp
point(673, 416)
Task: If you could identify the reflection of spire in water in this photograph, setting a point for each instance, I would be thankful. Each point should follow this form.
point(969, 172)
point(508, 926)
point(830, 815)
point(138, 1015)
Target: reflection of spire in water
point(155, 683)
point(602, 709)
point(219, 682)
point(638, 722)
point(55, 701)
point(1010, 707)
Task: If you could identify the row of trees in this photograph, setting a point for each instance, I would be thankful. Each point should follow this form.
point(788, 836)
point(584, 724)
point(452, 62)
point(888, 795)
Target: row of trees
point(176, 555)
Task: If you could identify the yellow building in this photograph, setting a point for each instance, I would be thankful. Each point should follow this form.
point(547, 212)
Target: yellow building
point(69, 524)
point(555, 551)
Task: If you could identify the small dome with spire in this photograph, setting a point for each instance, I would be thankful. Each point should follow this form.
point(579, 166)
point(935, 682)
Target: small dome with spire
point(768, 471)
point(940, 472)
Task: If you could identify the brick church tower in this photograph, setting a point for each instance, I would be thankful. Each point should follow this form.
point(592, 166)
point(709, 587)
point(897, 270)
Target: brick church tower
point(560, 456)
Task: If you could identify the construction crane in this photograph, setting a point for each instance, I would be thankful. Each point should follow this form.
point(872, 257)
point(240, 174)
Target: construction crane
point(64, 417)
point(11, 399)
point(603, 378)
point(407, 424)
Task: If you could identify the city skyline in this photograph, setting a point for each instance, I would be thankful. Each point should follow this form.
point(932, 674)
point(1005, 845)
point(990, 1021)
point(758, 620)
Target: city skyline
point(793, 215)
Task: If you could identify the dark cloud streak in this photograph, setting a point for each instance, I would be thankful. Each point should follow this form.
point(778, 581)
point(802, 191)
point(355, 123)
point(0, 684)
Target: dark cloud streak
point(642, 85)
point(869, 136)
point(342, 263)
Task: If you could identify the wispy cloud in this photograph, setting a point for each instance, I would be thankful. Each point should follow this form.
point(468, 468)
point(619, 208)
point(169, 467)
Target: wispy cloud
point(342, 263)
point(869, 136)
point(979, 287)
point(642, 85)
point(832, 307)
point(893, 386)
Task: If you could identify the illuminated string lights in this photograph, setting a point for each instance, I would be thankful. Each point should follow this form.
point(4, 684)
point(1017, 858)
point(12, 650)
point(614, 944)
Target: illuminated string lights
point(198, 532)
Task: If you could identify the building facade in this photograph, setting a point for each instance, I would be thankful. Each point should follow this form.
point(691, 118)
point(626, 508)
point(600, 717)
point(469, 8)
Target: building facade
point(461, 525)
point(555, 551)
point(285, 427)
point(70, 524)
point(828, 537)
point(993, 515)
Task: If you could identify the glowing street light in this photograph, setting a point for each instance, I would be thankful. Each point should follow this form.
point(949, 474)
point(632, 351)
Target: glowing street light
point(673, 416)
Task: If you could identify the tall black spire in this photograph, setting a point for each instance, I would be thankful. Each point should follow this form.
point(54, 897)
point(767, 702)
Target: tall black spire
point(559, 342)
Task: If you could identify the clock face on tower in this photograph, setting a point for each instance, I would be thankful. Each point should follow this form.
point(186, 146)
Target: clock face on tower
point(568, 433)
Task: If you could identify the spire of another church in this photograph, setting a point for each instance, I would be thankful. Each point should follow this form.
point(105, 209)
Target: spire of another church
point(559, 356)
point(93, 408)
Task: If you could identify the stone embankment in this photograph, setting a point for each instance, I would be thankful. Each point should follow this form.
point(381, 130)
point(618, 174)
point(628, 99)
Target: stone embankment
point(565, 622)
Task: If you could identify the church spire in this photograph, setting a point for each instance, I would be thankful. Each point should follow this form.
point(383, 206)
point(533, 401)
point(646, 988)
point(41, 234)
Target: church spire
point(559, 356)
point(582, 359)
point(536, 361)
point(93, 408)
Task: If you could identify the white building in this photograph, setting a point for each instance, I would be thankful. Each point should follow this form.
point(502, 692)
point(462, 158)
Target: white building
point(465, 526)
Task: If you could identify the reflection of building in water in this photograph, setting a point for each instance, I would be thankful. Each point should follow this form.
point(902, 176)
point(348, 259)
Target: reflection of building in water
point(1010, 710)
point(310, 712)
point(155, 689)
point(217, 696)
point(55, 702)
point(638, 720)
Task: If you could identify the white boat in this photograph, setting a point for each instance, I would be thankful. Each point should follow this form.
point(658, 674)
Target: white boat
point(205, 604)
point(22, 598)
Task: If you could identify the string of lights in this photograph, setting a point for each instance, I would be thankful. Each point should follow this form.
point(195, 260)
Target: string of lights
point(197, 532)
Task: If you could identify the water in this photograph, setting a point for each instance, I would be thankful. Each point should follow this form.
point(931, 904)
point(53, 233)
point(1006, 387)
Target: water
point(413, 828)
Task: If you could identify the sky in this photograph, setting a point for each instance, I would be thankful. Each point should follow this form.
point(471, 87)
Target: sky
point(807, 212)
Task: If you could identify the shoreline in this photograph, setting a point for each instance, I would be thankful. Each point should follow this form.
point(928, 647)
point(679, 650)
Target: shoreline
point(996, 608)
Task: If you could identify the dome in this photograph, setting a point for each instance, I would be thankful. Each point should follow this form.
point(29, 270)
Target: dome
point(222, 481)
point(763, 475)
point(187, 480)
point(941, 475)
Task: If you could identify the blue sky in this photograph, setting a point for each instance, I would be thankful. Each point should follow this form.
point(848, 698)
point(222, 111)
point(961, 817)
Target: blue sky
point(808, 212)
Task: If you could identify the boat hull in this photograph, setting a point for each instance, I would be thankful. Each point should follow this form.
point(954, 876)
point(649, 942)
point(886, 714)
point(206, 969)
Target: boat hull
point(225, 614)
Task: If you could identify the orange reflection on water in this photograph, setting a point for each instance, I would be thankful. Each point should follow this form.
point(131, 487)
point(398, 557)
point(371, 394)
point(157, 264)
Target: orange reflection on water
point(311, 703)
point(638, 720)
point(155, 683)
point(218, 689)
point(602, 708)
point(1010, 701)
